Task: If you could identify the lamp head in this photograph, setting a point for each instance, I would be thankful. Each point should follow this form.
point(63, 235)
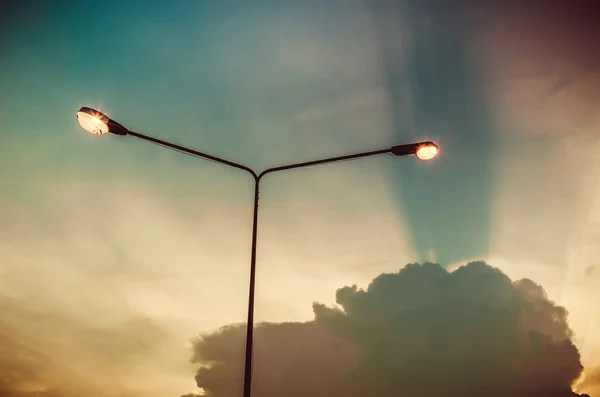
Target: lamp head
point(97, 123)
point(423, 150)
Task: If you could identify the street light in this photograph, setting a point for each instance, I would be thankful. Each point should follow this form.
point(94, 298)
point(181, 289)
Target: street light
point(97, 123)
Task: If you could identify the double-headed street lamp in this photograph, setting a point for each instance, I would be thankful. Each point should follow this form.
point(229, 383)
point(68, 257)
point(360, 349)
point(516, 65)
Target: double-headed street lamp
point(98, 123)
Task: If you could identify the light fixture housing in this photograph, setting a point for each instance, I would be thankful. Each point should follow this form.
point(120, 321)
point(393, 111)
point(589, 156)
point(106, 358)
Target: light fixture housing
point(97, 123)
point(423, 150)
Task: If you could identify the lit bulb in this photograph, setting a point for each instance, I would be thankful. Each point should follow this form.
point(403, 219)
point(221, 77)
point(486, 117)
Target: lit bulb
point(427, 152)
point(94, 124)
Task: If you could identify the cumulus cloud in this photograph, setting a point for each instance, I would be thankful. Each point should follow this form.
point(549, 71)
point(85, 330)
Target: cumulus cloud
point(423, 331)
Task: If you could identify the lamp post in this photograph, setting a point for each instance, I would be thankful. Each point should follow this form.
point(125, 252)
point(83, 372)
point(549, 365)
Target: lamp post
point(98, 123)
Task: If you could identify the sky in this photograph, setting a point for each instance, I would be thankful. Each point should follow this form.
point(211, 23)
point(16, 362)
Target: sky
point(124, 266)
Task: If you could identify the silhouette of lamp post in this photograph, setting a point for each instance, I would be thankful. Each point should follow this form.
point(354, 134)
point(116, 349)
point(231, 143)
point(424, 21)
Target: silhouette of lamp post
point(98, 123)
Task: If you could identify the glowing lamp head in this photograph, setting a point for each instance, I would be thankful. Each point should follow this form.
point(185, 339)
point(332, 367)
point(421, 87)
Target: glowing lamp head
point(98, 123)
point(93, 121)
point(427, 151)
point(423, 150)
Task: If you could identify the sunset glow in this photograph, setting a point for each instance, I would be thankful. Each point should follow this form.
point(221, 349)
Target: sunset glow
point(124, 265)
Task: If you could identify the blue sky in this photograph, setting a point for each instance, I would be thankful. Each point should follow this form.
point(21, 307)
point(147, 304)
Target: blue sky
point(214, 78)
point(97, 232)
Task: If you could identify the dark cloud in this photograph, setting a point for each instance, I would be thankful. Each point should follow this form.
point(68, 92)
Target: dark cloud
point(423, 331)
point(280, 365)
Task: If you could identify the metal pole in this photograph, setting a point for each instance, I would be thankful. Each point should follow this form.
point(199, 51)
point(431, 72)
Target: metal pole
point(250, 322)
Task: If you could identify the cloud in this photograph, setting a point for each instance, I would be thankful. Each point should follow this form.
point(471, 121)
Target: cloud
point(50, 351)
point(591, 382)
point(423, 331)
